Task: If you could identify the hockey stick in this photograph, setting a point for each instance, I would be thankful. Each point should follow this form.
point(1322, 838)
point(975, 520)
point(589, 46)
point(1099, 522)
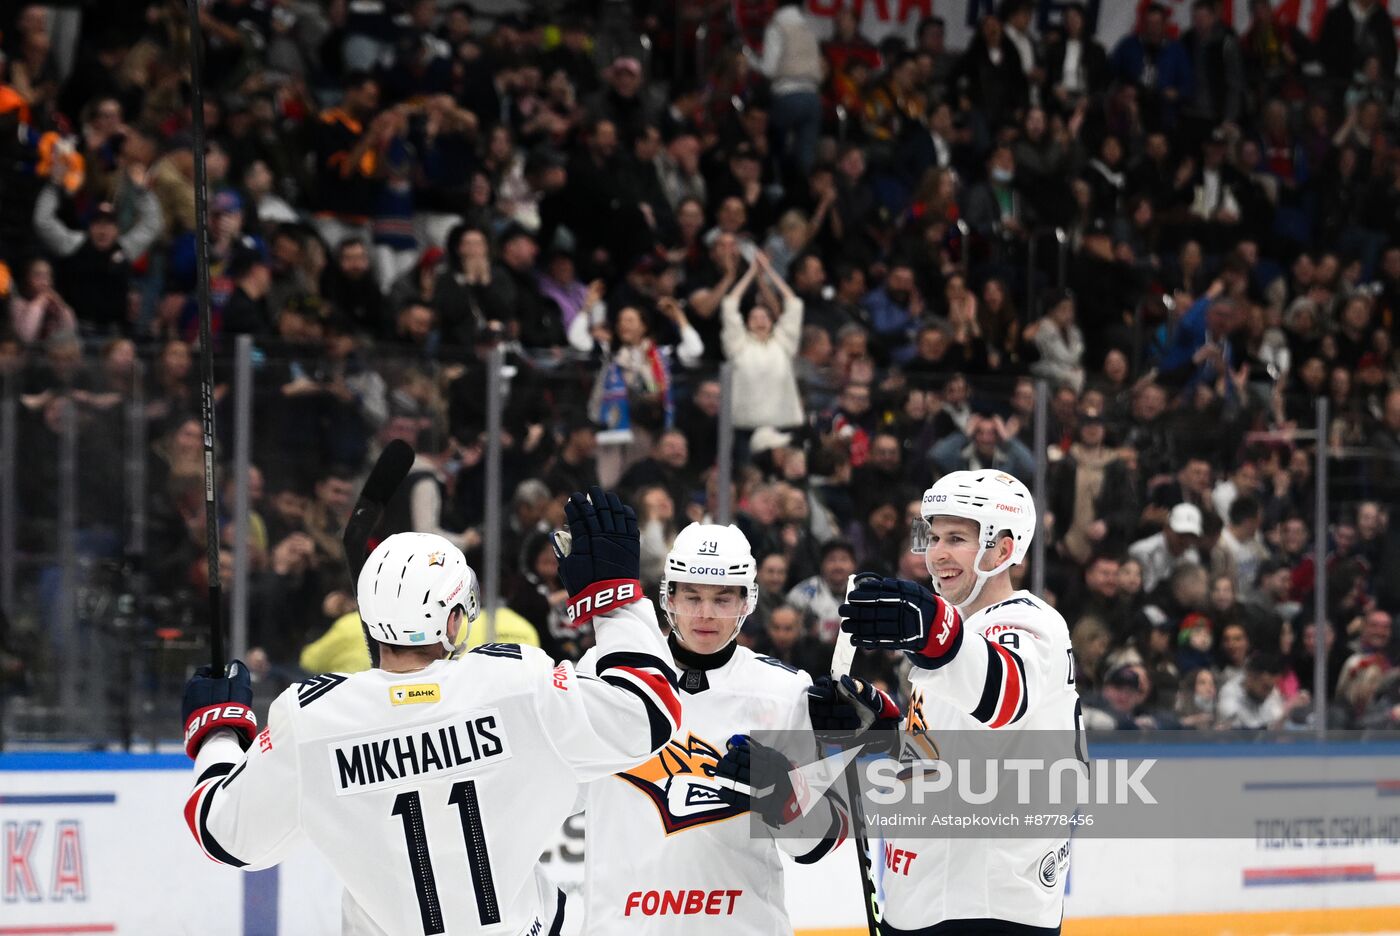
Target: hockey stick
point(384, 479)
point(206, 349)
point(841, 659)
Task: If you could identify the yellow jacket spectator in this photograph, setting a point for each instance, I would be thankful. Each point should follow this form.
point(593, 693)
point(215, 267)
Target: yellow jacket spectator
point(510, 628)
point(341, 649)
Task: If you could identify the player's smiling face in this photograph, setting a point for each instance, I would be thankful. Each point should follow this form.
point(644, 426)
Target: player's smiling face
point(706, 616)
point(952, 549)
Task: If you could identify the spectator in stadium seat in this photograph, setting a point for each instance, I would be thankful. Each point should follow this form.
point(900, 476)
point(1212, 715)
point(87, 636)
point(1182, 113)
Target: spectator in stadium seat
point(784, 638)
point(536, 320)
point(1217, 68)
point(1253, 701)
point(1096, 595)
point(1246, 479)
point(1161, 552)
point(539, 597)
point(622, 102)
point(36, 310)
point(989, 443)
point(350, 286)
point(471, 293)
point(855, 218)
point(1185, 591)
point(1060, 343)
point(996, 209)
point(1240, 553)
point(762, 346)
point(657, 518)
point(346, 142)
point(1372, 636)
point(792, 62)
point(247, 312)
point(1119, 704)
point(1352, 31)
point(288, 251)
point(1156, 65)
point(819, 596)
point(772, 588)
point(573, 468)
point(645, 367)
point(991, 72)
point(1076, 65)
point(895, 105)
point(668, 466)
point(286, 599)
point(1195, 707)
point(1232, 650)
point(896, 308)
point(1074, 486)
point(95, 265)
point(698, 418)
point(414, 331)
point(678, 167)
point(876, 536)
point(1191, 484)
point(935, 356)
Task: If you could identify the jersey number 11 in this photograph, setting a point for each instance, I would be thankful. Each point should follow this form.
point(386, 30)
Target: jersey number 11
point(409, 807)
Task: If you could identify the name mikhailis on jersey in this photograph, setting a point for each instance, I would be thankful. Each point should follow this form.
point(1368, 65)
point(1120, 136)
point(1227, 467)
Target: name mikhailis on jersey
point(454, 745)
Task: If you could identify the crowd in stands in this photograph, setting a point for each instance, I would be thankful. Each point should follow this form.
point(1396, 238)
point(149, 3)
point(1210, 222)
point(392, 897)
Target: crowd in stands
point(1189, 237)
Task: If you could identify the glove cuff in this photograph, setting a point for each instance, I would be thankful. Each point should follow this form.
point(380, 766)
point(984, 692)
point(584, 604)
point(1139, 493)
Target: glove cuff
point(234, 715)
point(944, 633)
point(889, 710)
point(602, 597)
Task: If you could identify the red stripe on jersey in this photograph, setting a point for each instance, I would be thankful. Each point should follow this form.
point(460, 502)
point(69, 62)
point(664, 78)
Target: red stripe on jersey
point(1011, 689)
point(662, 688)
point(191, 807)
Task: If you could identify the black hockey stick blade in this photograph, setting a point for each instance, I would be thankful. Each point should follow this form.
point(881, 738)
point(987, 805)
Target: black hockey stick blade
point(384, 479)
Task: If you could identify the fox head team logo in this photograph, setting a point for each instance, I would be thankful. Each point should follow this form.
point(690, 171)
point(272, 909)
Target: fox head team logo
point(916, 744)
point(680, 782)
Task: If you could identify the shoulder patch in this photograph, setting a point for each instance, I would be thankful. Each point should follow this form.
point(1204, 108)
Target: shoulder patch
point(1014, 601)
point(505, 650)
point(774, 661)
point(309, 690)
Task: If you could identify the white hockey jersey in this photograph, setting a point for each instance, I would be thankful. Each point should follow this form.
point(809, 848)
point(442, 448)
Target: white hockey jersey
point(694, 864)
point(433, 793)
point(1011, 670)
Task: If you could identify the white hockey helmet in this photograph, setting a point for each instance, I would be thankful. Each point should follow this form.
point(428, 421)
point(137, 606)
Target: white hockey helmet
point(409, 586)
point(992, 499)
point(711, 554)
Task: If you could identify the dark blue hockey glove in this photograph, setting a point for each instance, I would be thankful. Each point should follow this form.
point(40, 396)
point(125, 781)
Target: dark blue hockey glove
point(747, 762)
point(600, 556)
point(852, 706)
point(892, 614)
point(213, 702)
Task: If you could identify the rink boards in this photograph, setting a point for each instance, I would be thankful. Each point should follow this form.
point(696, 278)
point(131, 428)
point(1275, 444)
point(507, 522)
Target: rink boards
point(95, 843)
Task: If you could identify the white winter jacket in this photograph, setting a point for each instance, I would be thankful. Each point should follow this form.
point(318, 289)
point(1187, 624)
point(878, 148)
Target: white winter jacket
point(765, 379)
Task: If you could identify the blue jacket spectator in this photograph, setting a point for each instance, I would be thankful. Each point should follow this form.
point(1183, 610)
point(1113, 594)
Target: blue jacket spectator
point(988, 443)
point(1155, 63)
point(894, 313)
point(1200, 349)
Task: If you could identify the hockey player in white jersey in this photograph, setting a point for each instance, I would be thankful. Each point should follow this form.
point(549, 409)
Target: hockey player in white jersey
point(984, 657)
point(433, 785)
point(693, 862)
